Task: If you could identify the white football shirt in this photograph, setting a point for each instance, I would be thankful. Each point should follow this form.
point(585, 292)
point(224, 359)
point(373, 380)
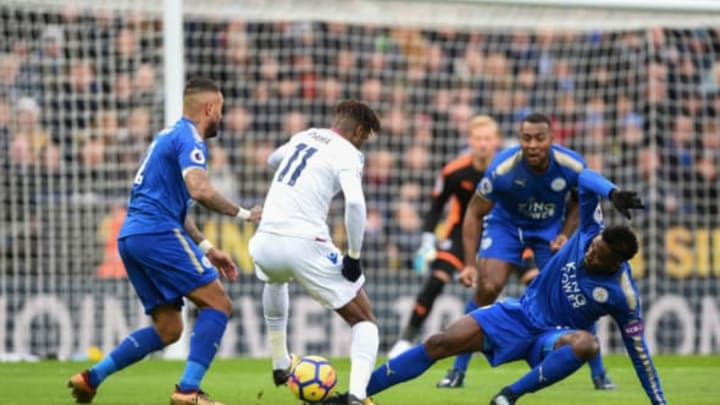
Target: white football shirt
point(305, 182)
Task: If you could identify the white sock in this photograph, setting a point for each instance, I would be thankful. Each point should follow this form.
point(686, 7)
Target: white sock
point(275, 300)
point(363, 353)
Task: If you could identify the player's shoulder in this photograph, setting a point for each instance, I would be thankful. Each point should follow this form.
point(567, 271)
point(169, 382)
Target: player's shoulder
point(619, 291)
point(340, 151)
point(459, 163)
point(182, 131)
point(506, 160)
point(567, 158)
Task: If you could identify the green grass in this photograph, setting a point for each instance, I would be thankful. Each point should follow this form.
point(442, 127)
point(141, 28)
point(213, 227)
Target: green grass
point(686, 380)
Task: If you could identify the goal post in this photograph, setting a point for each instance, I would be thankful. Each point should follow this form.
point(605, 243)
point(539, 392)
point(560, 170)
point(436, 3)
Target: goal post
point(634, 86)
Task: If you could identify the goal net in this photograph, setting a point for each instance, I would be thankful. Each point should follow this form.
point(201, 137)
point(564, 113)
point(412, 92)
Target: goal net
point(81, 94)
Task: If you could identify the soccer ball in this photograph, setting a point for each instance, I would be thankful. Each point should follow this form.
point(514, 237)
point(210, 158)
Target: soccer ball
point(312, 379)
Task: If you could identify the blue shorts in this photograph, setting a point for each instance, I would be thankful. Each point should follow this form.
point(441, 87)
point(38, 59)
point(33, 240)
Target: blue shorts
point(503, 241)
point(509, 335)
point(164, 267)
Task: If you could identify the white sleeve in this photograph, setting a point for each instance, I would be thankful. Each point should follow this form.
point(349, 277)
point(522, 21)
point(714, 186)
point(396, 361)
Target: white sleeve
point(355, 215)
point(278, 155)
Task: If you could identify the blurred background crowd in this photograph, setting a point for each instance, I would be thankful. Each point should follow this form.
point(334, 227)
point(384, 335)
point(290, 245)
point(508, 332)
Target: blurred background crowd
point(81, 97)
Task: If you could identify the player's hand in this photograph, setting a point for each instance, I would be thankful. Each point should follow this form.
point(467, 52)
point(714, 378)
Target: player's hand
point(351, 268)
point(468, 277)
point(425, 253)
point(223, 262)
point(255, 214)
point(623, 201)
point(558, 242)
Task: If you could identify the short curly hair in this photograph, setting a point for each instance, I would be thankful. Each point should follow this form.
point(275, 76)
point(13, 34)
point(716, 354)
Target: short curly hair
point(621, 240)
point(359, 112)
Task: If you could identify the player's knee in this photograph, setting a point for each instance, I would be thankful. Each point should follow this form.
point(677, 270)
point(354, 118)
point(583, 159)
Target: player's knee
point(438, 346)
point(441, 276)
point(225, 305)
point(360, 315)
point(169, 331)
point(487, 291)
point(585, 345)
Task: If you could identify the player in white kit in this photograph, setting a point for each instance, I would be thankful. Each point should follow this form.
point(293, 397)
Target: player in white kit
point(293, 241)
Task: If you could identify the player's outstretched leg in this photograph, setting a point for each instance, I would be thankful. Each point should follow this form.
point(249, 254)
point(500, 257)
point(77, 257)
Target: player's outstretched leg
point(215, 309)
point(424, 301)
point(132, 349)
point(463, 335)
point(275, 300)
point(571, 351)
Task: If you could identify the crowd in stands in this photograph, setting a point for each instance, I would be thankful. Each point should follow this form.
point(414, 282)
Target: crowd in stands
point(81, 95)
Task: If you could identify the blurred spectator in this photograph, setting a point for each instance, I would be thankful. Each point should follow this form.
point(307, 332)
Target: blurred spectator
point(139, 136)
point(679, 161)
point(221, 174)
point(564, 76)
point(567, 122)
point(77, 100)
point(29, 138)
point(294, 122)
point(375, 239)
point(256, 174)
point(126, 50)
point(711, 79)
point(108, 231)
point(405, 233)
point(396, 128)
point(138, 127)
point(371, 91)
point(9, 70)
point(145, 90)
point(416, 162)
point(378, 176)
point(81, 97)
point(707, 181)
point(122, 91)
point(5, 133)
point(708, 175)
point(237, 121)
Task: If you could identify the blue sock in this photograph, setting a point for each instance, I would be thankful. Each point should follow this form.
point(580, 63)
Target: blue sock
point(557, 365)
point(408, 365)
point(133, 348)
point(462, 360)
point(205, 341)
point(597, 368)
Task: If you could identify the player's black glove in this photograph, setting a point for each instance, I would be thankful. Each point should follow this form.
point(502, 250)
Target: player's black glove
point(624, 200)
point(351, 268)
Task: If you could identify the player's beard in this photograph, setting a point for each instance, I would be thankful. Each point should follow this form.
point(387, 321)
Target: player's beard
point(212, 130)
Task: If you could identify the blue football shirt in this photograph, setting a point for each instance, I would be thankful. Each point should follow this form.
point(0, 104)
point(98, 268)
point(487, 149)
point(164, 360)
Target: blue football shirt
point(159, 200)
point(565, 294)
point(533, 202)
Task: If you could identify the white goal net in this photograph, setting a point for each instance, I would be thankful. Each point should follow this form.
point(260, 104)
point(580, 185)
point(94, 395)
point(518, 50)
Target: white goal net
point(81, 93)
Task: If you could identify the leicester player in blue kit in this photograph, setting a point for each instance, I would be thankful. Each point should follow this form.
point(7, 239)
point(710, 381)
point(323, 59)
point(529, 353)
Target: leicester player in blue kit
point(525, 200)
point(548, 326)
point(167, 257)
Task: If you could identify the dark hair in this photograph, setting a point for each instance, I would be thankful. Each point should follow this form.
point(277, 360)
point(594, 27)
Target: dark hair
point(359, 113)
point(200, 85)
point(621, 240)
point(537, 118)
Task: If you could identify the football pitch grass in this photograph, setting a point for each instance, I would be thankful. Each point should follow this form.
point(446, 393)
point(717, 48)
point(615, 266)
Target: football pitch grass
point(686, 380)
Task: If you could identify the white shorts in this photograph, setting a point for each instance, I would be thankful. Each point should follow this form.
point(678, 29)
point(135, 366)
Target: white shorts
point(315, 265)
